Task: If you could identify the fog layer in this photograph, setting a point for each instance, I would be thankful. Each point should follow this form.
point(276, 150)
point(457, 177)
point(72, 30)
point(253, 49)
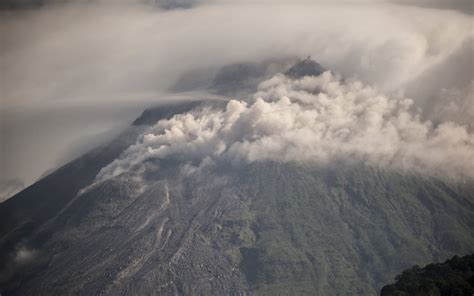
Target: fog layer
point(73, 71)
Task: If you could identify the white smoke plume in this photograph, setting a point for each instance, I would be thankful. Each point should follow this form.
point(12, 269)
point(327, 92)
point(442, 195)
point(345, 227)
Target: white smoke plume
point(313, 120)
point(454, 105)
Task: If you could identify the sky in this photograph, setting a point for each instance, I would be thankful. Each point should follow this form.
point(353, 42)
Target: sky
point(75, 74)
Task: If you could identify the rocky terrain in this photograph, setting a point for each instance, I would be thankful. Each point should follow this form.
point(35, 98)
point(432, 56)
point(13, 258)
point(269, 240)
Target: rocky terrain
point(264, 228)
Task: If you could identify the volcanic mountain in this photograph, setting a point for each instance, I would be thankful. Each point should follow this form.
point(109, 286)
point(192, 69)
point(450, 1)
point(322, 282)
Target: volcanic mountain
point(265, 227)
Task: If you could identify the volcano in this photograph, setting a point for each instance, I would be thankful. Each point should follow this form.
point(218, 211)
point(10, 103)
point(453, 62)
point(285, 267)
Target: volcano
point(267, 227)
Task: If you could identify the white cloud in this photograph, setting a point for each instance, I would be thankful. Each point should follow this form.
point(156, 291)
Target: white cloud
point(64, 60)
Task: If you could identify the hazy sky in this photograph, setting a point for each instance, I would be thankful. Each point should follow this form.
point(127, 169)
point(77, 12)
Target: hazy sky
point(75, 73)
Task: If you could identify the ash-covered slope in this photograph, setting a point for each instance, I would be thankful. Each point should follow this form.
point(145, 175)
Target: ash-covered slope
point(26, 211)
point(267, 228)
point(260, 228)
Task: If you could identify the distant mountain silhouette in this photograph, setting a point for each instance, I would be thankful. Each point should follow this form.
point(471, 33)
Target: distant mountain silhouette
point(306, 67)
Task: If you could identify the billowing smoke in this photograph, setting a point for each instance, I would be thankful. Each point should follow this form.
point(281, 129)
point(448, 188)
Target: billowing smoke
point(84, 70)
point(317, 120)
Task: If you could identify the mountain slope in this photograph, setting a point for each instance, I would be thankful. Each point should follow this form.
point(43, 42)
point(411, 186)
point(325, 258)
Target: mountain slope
point(344, 232)
point(28, 210)
point(260, 228)
point(269, 228)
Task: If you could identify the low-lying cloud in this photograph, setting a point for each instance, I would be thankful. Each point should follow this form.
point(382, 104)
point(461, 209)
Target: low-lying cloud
point(317, 120)
point(72, 71)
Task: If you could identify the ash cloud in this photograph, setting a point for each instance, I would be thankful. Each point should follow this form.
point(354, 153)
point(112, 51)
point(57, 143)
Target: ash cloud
point(77, 69)
point(317, 120)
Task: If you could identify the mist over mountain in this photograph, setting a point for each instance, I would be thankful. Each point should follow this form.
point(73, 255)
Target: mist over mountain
point(77, 71)
point(222, 198)
point(237, 147)
point(306, 115)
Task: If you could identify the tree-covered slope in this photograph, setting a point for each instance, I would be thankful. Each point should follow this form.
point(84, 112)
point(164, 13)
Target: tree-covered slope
point(455, 277)
point(345, 231)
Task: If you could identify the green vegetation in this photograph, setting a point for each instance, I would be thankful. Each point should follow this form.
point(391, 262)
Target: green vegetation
point(455, 277)
point(309, 231)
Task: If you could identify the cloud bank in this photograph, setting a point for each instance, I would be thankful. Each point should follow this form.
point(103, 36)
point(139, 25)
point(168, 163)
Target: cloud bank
point(319, 120)
point(73, 71)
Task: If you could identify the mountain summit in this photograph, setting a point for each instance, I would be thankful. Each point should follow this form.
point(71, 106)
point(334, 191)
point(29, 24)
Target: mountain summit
point(306, 67)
